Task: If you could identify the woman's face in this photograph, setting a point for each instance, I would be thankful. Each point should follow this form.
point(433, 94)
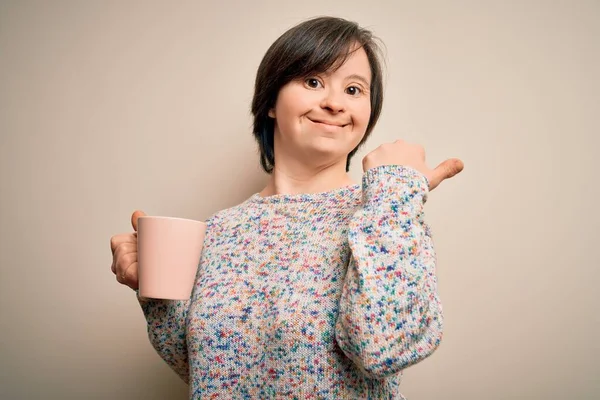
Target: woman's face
point(320, 119)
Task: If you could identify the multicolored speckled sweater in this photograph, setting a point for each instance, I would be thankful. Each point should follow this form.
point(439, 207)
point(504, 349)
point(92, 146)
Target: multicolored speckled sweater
point(309, 296)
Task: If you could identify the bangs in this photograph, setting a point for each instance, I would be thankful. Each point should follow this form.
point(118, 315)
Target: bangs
point(320, 50)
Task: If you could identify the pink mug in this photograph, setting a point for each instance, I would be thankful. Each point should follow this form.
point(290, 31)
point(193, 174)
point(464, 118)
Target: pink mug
point(169, 252)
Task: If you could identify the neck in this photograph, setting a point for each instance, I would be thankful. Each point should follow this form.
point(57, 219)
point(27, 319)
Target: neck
point(287, 180)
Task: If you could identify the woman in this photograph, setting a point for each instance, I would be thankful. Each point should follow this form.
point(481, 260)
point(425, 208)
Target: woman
point(316, 287)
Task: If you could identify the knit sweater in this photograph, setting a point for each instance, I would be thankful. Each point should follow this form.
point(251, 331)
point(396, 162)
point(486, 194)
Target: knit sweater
point(308, 296)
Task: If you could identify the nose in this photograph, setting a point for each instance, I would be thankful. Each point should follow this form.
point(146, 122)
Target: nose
point(333, 101)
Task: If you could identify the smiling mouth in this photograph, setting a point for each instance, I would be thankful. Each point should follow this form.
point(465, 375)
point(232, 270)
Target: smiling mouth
point(316, 121)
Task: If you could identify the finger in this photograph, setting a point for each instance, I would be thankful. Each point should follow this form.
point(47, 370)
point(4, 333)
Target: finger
point(134, 218)
point(129, 276)
point(132, 276)
point(456, 167)
point(124, 249)
point(124, 264)
point(445, 170)
point(117, 240)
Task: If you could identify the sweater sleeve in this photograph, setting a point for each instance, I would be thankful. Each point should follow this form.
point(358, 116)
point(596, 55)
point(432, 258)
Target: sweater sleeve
point(166, 331)
point(390, 316)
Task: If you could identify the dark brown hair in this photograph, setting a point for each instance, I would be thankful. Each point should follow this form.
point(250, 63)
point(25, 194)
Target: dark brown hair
point(312, 47)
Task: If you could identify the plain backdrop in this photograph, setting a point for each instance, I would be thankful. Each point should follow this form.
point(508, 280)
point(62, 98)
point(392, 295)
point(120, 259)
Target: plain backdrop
point(111, 106)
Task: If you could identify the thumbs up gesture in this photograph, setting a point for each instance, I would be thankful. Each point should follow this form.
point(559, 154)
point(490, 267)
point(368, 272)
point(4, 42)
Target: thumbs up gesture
point(124, 251)
point(412, 155)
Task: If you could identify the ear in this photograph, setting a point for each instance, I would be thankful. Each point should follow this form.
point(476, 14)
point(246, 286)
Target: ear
point(272, 113)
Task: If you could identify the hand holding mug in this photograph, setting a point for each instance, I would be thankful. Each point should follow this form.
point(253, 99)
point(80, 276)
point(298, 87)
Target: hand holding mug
point(125, 254)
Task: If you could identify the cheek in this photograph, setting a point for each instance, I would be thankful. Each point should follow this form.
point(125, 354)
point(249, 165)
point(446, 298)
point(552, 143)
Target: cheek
point(363, 115)
point(284, 117)
point(290, 107)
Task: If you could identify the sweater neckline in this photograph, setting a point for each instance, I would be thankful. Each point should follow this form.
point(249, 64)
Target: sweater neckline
point(344, 194)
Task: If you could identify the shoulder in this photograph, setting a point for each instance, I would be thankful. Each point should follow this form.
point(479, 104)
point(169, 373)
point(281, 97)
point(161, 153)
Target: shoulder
point(230, 214)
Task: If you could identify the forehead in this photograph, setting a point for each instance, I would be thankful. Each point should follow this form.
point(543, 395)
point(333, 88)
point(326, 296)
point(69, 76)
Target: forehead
point(357, 63)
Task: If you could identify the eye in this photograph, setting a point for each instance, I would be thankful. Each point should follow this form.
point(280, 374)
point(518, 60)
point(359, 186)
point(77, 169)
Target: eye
point(354, 90)
point(312, 82)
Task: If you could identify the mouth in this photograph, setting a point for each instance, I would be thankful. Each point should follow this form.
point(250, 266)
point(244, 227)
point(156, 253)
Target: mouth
point(327, 123)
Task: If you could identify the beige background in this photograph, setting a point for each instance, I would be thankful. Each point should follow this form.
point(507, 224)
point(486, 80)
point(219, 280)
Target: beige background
point(109, 106)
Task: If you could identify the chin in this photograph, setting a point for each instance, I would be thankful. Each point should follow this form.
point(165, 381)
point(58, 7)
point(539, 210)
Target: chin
point(328, 151)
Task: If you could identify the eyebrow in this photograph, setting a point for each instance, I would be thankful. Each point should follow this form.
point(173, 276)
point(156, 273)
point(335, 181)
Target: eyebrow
point(358, 78)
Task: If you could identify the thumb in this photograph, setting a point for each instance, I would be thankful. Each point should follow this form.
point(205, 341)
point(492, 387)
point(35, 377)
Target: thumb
point(446, 169)
point(134, 218)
